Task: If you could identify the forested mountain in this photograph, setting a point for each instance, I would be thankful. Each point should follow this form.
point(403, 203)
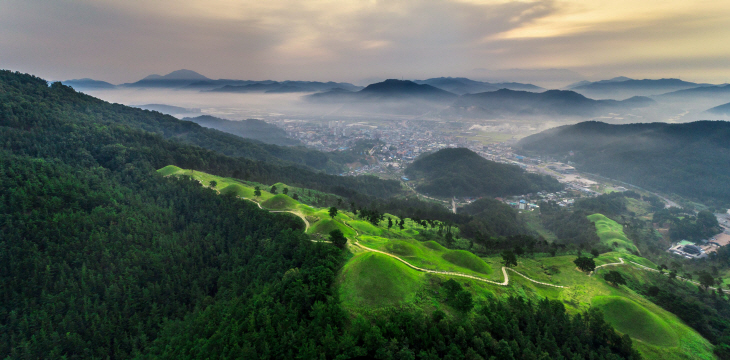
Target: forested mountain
point(167, 109)
point(684, 159)
point(284, 87)
point(462, 172)
point(387, 90)
point(249, 128)
point(102, 258)
point(177, 78)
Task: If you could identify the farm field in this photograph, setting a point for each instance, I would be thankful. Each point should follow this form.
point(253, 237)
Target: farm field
point(381, 273)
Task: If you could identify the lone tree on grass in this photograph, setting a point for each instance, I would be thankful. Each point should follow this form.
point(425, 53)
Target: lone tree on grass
point(615, 278)
point(333, 212)
point(706, 280)
point(273, 190)
point(338, 238)
point(390, 223)
point(285, 191)
point(509, 258)
point(295, 197)
point(257, 191)
point(213, 183)
point(585, 264)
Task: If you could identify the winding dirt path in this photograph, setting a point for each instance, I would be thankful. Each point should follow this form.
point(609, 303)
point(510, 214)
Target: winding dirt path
point(642, 267)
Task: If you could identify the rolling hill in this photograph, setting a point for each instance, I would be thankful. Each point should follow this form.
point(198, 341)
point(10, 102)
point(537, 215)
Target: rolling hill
point(673, 158)
point(175, 79)
point(463, 173)
point(461, 86)
point(720, 110)
point(249, 128)
point(622, 87)
point(551, 103)
point(88, 84)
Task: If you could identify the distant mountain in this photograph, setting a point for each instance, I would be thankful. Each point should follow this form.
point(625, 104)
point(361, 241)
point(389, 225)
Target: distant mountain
point(88, 84)
point(686, 159)
point(250, 129)
point(700, 91)
point(462, 172)
point(551, 103)
point(391, 89)
point(174, 79)
point(720, 110)
point(288, 86)
point(622, 87)
point(585, 82)
point(397, 97)
point(461, 86)
point(167, 109)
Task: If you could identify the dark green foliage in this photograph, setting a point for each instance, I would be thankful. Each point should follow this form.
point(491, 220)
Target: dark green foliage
point(509, 258)
point(684, 159)
point(706, 279)
point(585, 264)
point(595, 253)
point(338, 238)
point(285, 191)
point(615, 278)
point(273, 190)
point(333, 212)
point(491, 218)
point(606, 204)
point(571, 227)
point(462, 172)
point(213, 183)
point(457, 297)
point(257, 191)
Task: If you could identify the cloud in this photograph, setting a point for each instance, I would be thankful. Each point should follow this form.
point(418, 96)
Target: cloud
point(353, 39)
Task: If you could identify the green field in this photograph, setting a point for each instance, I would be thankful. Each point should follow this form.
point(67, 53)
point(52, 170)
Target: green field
point(612, 234)
point(631, 318)
point(372, 281)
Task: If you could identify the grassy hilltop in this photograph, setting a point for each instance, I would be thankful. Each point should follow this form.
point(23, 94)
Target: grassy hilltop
point(380, 274)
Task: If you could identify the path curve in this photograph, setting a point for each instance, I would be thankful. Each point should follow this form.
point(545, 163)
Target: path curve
point(643, 267)
point(282, 211)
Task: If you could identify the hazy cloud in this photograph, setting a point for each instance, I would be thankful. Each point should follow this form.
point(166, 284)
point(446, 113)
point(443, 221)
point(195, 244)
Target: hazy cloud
point(349, 40)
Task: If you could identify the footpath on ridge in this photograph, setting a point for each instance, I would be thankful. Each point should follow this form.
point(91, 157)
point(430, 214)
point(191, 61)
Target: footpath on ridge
point(504, 268)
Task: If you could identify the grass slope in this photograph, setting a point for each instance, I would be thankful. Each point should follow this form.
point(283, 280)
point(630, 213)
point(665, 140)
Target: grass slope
point(280, 202)
point(375, 280)
point(611, 232)
point(628, 317)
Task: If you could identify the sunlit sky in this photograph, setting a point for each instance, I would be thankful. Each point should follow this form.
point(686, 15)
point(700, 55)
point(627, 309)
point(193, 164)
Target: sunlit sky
point(352, 40)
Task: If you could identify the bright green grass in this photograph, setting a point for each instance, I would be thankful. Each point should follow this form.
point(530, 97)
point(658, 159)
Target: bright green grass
point(611, 232)
point(468, 260)
point(375, 280)
point(169, 170)
point(400, 248)
point(434, 246)
point(238, 190)
point(280, 202)
point(325, 226)
point(631, 318)
point(364, 227)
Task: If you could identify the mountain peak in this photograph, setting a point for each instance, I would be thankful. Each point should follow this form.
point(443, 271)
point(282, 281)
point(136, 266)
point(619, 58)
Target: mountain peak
point(182, 74)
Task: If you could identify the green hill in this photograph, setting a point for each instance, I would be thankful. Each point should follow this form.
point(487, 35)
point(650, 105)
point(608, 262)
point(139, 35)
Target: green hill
point(611, 233)
point(462, 172)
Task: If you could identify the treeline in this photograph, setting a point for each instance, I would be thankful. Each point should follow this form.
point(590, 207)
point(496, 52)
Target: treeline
point(499, 329)
point(571, 227)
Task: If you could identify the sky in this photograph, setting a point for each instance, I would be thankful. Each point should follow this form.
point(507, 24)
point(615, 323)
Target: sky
point(360, 40)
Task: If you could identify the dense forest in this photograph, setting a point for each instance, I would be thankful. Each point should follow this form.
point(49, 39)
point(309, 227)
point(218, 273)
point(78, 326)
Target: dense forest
point(103, 258)
point(249, 129)
point(685, 159)
point(462, 172)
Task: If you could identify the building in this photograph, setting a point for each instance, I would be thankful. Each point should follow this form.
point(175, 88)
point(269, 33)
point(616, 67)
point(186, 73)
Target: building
point(688, 250)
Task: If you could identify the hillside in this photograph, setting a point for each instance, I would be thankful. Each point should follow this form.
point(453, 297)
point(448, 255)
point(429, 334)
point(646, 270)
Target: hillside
point(288, 86)
point(463, 173)
point(622, 87)
point(88, 84)
point(723, 110)
point(249, 128)
point(672, 158)
point(387, 90)
point(551, 103)
point(461, 86)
